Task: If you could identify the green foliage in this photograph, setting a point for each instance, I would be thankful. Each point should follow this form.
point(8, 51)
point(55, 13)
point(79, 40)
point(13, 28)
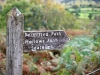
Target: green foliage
point(37, 15)
point(21, 5)
point(85, 13)
point(97, 33)
point(34, 18)
point(79, 53)
point(54, 18)
point(2, 21)
point(90, 15)
point(75, 6)
point(0, 8)
point(63, 72)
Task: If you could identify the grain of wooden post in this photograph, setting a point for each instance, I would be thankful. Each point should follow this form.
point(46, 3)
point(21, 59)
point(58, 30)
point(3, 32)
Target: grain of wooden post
point(14, 42)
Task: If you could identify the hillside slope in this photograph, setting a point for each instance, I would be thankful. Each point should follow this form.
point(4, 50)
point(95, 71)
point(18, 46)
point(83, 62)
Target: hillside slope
point(67, 1)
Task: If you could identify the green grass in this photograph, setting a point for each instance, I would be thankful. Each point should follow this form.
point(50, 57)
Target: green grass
point(84, 15)
point(71, 9)
point(93, 12)
point(85, 9)
point(90, 9)
point(98, 9)
point(85, 12)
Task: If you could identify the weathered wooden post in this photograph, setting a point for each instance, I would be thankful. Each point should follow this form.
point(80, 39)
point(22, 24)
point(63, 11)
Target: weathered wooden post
point(14, 42)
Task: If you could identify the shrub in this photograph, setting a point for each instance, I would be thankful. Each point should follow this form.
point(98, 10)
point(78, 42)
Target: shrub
point(80, 55)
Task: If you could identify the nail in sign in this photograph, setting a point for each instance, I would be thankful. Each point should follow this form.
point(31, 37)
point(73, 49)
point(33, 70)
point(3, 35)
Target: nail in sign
point(44, 40)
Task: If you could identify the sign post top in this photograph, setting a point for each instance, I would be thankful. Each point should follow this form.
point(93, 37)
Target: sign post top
point(14, 11)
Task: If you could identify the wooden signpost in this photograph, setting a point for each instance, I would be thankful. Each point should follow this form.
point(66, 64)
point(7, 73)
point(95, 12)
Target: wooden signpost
point(14, 42)
point(19, 41)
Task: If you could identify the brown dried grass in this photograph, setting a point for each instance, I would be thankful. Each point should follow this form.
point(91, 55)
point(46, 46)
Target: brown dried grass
point(77, 32)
